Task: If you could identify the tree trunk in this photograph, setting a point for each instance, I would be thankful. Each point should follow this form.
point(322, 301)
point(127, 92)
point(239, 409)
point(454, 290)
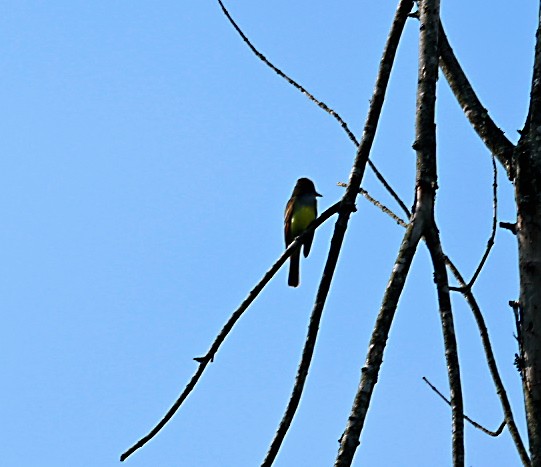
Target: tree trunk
point(528, 198)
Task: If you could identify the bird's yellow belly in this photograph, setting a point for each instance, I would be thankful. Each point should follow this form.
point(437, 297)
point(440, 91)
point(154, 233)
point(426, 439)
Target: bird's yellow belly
point(301, 219)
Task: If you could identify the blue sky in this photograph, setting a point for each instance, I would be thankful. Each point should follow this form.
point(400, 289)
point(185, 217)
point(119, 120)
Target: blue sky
point(147, 160)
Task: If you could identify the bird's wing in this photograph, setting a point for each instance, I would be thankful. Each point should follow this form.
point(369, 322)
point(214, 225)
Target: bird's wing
point(287, 221)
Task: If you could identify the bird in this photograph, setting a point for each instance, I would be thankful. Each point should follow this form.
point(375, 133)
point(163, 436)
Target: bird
point(301, 210)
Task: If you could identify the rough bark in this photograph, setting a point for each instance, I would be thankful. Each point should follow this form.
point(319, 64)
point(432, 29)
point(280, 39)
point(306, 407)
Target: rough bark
point(528, 199)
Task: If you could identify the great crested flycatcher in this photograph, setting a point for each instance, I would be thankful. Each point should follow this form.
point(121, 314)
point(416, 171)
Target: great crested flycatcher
point(301, 210)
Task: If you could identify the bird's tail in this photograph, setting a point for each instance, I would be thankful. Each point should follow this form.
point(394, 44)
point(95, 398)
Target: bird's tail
point(293, 279)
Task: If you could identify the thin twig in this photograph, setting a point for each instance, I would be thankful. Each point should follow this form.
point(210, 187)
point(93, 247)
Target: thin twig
point(319, 103)
point(384, 208)
point(209, 356)
point(388, 187)
point(379, 205)
point(474, 423)
point(291, 81)
point(490, 242)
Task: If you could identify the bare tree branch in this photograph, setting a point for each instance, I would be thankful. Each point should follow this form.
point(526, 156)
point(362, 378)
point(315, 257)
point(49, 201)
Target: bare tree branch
point(291, 81)
point(369, 376)
point(347, 206)
point(493, 137)
point(388, 187)
point(491, 361)
point(494, 434)
point(425, 145)
point(449, 338)
point(490, 242)
point(319, 103)
point(209, 356)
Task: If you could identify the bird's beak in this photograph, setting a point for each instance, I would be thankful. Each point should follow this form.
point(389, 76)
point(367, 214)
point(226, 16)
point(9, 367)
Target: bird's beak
point(317, 194)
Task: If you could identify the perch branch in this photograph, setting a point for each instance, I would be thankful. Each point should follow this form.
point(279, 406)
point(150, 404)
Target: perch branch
point(209, 356)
